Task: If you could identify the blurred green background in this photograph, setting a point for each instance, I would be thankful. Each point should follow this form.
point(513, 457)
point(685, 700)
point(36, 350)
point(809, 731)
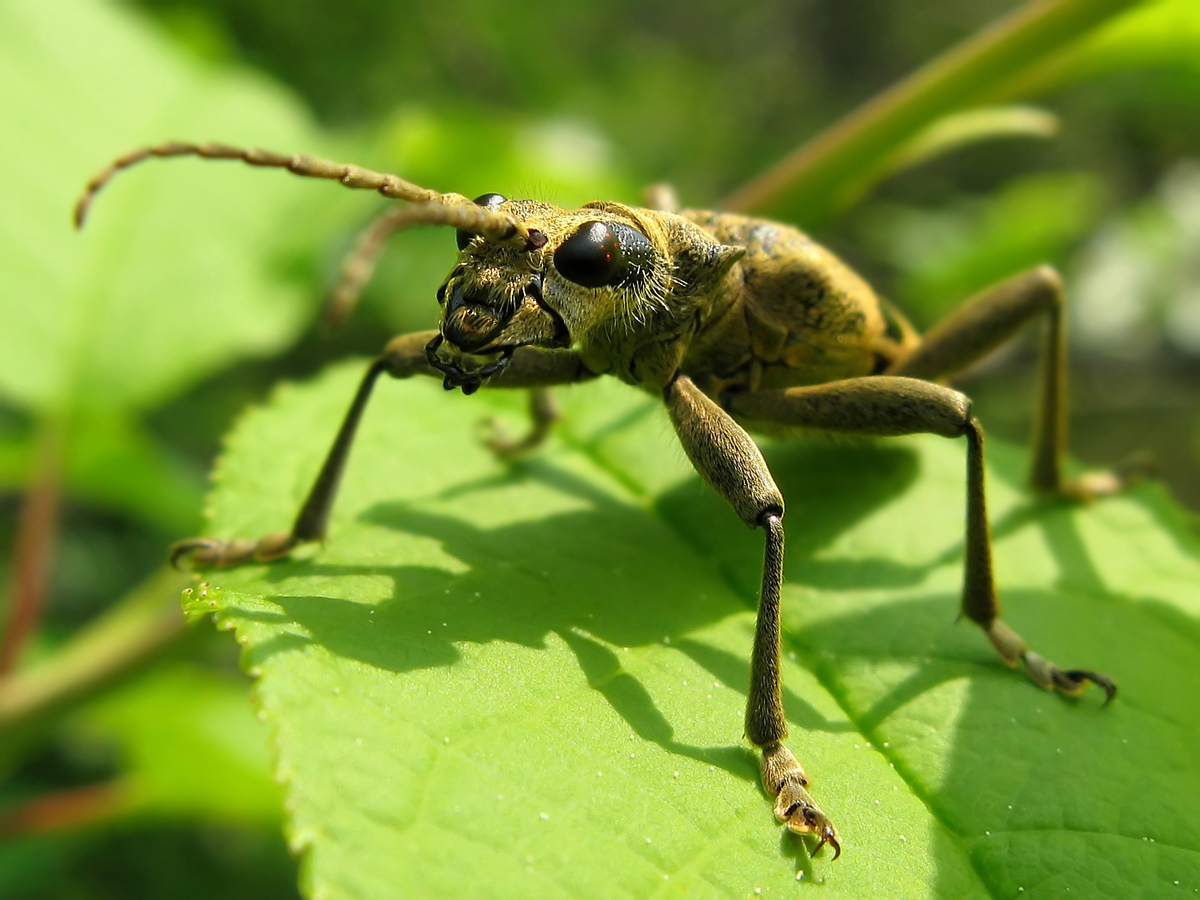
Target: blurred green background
point(113, 419)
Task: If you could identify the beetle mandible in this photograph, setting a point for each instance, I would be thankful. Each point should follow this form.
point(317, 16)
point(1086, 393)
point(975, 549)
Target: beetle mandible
point(736, 323)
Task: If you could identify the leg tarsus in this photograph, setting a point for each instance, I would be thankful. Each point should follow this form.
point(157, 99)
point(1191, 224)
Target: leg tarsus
point(1042, 672)
point(661, 197)
point(1104, 482)
point(1071, 682)
point(785, 779)
point(544, 412)
point(211, 553)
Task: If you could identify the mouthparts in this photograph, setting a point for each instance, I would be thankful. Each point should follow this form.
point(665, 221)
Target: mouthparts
point(455, 376)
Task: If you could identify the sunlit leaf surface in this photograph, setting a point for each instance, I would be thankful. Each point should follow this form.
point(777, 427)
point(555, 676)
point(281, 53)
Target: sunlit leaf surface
point(528, 681)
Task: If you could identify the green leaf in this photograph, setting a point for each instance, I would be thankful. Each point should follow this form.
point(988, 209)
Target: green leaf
point(528, 681)
point(947, 254)
point(958, 130)
point(189, 745)
point(1155, 35)
point(108, 320)
point(818, 178)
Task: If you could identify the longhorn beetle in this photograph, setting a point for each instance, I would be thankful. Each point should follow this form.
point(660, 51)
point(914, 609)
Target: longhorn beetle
point(737, 323)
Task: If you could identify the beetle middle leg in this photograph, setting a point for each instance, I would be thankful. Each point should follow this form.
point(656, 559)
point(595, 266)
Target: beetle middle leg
point(984, 323)
point(888, 406)
point(403, 357)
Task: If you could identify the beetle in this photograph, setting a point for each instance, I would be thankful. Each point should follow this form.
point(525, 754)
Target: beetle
point(738, 324)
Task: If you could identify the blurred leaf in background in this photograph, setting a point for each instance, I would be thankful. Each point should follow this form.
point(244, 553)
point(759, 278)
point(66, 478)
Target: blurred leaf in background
point(98, 330)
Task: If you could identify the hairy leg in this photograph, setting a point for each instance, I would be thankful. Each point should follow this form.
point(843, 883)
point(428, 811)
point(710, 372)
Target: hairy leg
point(981, 325)
point(727, 458)
point(403, 357)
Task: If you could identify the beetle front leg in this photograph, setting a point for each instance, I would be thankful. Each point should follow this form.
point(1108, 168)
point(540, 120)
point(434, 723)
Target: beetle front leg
point(403, 357)
point(537, 370)
point(727, 458)
point(544, 412)
point(990, 319)
point(890, 406)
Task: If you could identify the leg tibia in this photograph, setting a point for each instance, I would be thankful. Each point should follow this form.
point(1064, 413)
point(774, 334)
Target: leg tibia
point(765, 721)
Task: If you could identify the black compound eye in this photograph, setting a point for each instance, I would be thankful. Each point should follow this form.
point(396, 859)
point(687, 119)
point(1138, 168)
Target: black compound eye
point(601, 254)
point(490, 201)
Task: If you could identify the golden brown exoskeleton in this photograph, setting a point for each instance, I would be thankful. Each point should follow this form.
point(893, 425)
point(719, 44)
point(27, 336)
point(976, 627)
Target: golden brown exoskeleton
point(736, 323)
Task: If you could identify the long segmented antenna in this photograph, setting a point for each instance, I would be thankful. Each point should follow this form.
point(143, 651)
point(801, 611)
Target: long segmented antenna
point(488, 224)
point(357, 268)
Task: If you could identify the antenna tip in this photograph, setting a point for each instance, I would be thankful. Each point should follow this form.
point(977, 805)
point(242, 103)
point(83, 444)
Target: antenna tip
point(81, 210)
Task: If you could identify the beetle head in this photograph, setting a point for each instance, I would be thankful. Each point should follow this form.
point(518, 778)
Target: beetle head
point(604, 268)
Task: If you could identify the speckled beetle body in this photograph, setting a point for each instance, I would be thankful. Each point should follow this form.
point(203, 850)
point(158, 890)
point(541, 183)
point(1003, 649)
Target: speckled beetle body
point(735, 323)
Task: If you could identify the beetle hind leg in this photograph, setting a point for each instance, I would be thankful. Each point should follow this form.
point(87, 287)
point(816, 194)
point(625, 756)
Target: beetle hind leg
point(987, 321)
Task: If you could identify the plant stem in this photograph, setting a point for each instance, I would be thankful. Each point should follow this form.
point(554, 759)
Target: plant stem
point(132, 632)
point(813, 181)
point(33, 548)
point(74, 808)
